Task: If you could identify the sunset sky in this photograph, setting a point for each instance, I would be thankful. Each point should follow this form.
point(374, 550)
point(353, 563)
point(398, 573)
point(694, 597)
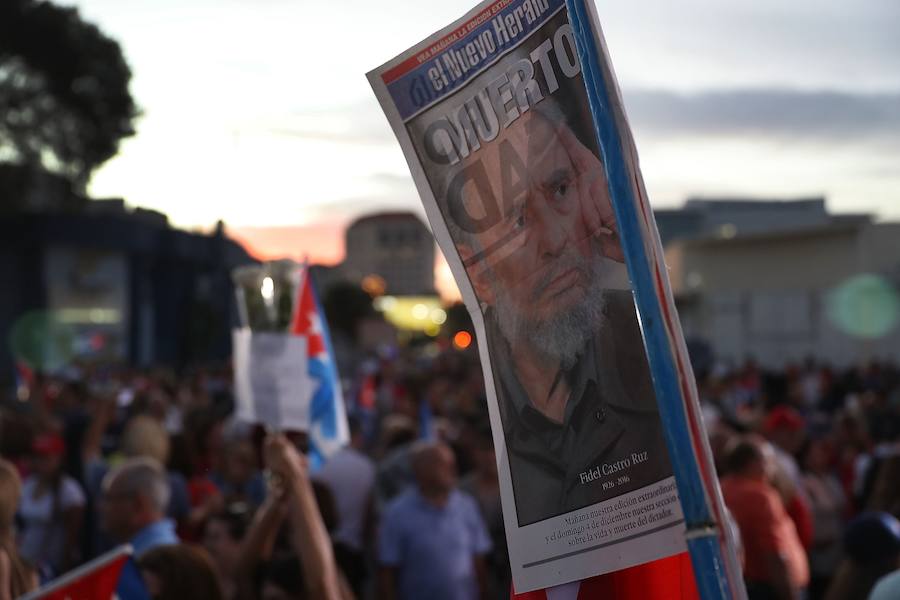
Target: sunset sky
point(257, 112)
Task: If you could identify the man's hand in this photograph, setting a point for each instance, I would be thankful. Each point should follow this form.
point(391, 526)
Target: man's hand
point(284, 461)
point(596, 209)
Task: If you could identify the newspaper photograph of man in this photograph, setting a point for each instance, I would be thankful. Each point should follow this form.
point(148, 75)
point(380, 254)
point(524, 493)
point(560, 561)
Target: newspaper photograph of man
point(530, 215)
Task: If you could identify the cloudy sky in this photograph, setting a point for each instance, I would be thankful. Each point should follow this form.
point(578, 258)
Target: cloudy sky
point(258, 112)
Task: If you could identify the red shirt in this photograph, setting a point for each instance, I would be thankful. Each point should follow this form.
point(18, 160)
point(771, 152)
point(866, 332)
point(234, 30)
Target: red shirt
point(765, 528)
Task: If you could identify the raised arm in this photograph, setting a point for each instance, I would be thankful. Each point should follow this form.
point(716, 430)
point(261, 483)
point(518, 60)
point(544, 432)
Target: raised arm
point(259, 541)
point(308, 534)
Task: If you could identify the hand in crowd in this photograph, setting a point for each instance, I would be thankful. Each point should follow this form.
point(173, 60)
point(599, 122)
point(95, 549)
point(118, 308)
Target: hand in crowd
point(285, 463)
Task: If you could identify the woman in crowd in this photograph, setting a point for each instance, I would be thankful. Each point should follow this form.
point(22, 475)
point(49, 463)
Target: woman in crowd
point(15, 576)
point(52, 510)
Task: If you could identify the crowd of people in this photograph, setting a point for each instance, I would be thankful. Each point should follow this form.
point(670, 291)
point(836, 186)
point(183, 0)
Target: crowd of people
point(94, 457)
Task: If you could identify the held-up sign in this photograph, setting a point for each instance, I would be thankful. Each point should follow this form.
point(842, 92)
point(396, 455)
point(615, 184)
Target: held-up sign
point(287, 380)
point(496, 126)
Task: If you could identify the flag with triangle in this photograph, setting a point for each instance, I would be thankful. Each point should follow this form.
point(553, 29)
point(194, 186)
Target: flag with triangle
point(95, 580)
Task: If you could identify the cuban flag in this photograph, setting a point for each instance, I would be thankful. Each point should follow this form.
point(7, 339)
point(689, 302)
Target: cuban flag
point(328, 416)
point(95, 580)
point(289, 382)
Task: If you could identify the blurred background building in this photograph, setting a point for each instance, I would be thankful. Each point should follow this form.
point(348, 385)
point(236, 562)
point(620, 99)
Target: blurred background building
point(783, 281)
point(107, 283)
point(395, 246)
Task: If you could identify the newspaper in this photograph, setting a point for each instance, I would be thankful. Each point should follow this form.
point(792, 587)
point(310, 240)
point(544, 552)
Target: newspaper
point(493, 118)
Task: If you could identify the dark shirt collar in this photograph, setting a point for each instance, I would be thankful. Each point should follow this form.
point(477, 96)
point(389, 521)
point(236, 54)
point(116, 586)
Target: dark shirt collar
point(582, 375)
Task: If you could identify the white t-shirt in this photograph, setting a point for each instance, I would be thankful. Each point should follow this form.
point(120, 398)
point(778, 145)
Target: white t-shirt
point(350, 476)
point(43, 533)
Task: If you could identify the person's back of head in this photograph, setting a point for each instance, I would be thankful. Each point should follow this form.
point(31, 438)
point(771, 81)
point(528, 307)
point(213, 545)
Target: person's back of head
point(179, 572)
point(746, 458)
point(146, 436)
point(135, 494)
point(872, 549)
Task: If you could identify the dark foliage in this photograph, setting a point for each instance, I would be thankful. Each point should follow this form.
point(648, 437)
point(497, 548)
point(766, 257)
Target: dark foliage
point(64, 97)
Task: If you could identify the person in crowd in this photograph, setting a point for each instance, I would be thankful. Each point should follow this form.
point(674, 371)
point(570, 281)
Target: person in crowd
point(133, 505)
point(222, 537)
point(292, 501)
point(776, 564)
point(179, 572)
point(16, 577)
point(51, 510)
point(350, 475)
point(433, 541)
point(309, 536)
point(785, 428)
point(483, 484)
point(872, 547)
point(828, 506)
point(239, 479)
point(394, 471)
point(143, 436)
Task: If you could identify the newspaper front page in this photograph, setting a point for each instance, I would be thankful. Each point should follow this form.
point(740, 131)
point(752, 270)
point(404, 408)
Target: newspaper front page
point(493, 118)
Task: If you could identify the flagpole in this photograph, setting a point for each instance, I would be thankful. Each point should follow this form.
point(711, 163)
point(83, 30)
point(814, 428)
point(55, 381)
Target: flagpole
point(78, 573)
point(715, 566)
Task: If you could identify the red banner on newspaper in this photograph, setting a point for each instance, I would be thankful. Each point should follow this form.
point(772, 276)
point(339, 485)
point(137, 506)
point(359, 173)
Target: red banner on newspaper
point(669, 578)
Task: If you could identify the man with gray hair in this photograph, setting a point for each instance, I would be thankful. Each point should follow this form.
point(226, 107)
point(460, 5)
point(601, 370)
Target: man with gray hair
point(530, 215)
point(133, 506)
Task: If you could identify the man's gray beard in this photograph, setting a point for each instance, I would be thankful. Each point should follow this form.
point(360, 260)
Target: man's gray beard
point(563, 336)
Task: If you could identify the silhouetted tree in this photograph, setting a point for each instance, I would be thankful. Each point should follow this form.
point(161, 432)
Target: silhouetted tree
point(64, 98)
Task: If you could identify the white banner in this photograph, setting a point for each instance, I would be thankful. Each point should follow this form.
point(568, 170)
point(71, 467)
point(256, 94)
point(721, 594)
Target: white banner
point(272, 382)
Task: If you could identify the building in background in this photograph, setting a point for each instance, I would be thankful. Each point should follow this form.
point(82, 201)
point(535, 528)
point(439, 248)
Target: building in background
point(396, 248)
point(728, 217)
point(823, 288)
point(106, 283)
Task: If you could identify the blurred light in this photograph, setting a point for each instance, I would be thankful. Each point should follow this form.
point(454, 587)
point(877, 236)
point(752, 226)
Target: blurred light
point(42, 341)
point(374, 285)
point(384, 303)
point(727, 231)
point(88, 315)
point(420, 311)
point(864, 306)
point(694, 280)
point(267, 289)
point(408, 313)
point(432, 329)
point(438, 316)
point(462, 340)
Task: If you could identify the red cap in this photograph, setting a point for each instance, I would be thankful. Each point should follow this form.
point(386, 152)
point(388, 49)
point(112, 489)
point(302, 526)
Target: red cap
point(49, 444)
point(784, 417)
